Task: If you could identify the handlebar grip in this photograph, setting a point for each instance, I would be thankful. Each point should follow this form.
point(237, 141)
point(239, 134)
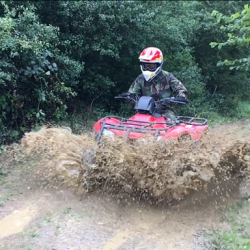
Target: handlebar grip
point(171, 100)
point(122, 97)
point(165, 100)
point(180, 102)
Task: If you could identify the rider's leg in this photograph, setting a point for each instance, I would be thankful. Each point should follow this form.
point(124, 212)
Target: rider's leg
point(169, 116)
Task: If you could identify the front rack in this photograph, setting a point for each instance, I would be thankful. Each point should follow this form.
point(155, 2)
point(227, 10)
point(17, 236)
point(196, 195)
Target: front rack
point(142, 126)
point(191, 120)
point(145, 127)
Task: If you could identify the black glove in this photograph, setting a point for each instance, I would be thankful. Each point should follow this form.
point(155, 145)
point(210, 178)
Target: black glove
point(124, 94)
point(182, 99)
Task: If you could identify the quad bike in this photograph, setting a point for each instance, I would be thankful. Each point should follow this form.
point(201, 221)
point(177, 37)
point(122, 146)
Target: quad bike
point(148, 122)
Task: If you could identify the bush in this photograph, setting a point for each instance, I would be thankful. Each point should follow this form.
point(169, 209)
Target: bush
point(31, 71)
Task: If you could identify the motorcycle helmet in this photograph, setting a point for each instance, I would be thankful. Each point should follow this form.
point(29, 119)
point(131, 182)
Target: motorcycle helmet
point(151, 61)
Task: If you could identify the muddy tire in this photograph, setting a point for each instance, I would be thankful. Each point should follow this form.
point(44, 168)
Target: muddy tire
point(184, 137)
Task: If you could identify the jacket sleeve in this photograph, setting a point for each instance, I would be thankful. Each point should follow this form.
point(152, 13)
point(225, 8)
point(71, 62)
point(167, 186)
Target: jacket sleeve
point(177, 87)
point(136, 86)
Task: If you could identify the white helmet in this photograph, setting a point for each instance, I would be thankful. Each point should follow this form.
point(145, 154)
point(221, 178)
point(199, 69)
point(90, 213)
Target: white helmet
point(151, 60)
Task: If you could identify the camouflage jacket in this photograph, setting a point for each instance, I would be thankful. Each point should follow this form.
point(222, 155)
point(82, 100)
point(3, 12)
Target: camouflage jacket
point(162, 86)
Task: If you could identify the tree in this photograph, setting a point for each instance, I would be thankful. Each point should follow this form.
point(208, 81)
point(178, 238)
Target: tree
point(237, 27)
point(32, 71)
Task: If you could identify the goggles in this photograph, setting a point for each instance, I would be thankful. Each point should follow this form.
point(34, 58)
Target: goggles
point(149, 66)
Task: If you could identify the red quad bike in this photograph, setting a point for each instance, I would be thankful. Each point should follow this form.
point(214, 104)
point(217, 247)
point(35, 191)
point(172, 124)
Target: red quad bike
point(147, 122)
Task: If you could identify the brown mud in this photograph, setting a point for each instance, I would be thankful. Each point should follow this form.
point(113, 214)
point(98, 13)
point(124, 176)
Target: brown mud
point(165, 170)
point(110, 209)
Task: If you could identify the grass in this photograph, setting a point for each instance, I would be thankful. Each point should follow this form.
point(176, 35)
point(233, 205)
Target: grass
point(34, 234)
point(4, 199)
point(2, 179)
point(237, 237)
point(244, 109)
point(30, 233)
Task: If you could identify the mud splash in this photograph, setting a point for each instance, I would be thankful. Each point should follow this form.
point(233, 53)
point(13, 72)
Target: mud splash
point(166, 170)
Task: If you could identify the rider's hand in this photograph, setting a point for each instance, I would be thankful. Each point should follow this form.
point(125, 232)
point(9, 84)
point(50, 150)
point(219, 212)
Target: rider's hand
point(128, 95)
point(182, 99)
point(124, 94)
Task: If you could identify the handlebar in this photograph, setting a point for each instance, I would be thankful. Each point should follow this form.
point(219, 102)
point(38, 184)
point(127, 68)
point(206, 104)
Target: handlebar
point(128, 96)
point(162, 101)
point(170, 100)
point(123, 97)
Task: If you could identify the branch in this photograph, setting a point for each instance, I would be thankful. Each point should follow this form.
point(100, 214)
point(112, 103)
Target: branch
point(90, 108)
point(214, 90)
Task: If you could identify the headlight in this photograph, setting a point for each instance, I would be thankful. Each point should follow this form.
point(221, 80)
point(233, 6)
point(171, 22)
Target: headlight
point(108, 133)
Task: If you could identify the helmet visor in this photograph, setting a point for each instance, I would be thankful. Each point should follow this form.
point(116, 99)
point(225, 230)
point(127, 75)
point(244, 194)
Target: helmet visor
point(149, 66)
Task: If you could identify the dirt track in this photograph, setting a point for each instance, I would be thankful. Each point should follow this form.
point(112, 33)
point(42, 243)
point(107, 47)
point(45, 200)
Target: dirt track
point(36, 216)
point(60, 220)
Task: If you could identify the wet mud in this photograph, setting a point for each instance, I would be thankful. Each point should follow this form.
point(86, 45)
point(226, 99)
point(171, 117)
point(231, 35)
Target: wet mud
point(157, 171)
point(16, 222)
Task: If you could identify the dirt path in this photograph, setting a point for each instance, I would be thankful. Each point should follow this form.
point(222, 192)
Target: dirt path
point(34, 216)
point(57, 219)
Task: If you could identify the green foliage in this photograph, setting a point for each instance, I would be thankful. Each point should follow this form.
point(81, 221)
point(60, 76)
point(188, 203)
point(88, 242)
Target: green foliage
point(224, 88)
point(237, 236)
point(237, 27)
point(108, 36)
point(31, 89)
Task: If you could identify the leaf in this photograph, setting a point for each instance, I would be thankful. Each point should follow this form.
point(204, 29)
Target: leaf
point(42, 113)
point(214, 12)
point(220, 46)
point(13, 54)
point(219, 16)
point(47, 73)
point(236, 15)
point(220, 63)
point(213, 44)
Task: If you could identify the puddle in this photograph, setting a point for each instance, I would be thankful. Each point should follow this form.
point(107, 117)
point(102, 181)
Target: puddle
point(16, 221)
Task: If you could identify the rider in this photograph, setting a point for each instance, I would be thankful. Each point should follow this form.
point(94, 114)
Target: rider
point(156, 82)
